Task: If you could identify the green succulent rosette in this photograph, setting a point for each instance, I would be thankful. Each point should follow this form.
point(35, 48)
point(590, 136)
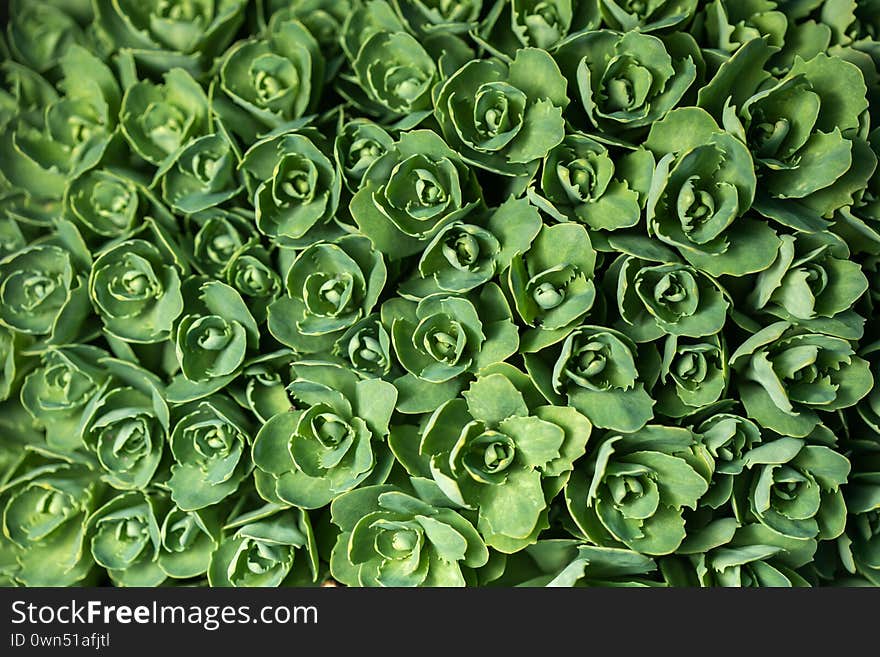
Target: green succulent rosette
point(46, 501)
point(694, 374)
point(261, 386)
point(366, 349)
point(200, 175)
point(668, 298)
point(539, 23)
point(216, 334)
point(427, 17)
point(135, 289)
point(646, 16)
point(407, 194)
point(358, 144)
point(187, 541)
point(37, 285)
point(635, 487)
point(502, 117)
point(217, 236)
point(125, 425)
point(728, 438)
point(747, 566)
point(803, 131)
point(581, 181)
point(159, 119)
point(443, 337)
point(125, 538)
point(391, 538)
point(329, 287)
point(812, 283)
point(160, 35)
point(294, 187)
point(63, 134)
point(265, 547)
point(332, 441)
point(210, 443)
point(726, 26)
point(463, 256)
point(501, 456)
point(250, 272)
point(626, 81)
point(552, 282)
point(701, 190)
point(40, 32)
point(108, 203)
point(324, 19)
point(275, 78)
point(787, 376)
point(601, 373)
point(57, 392)
point(793, 491)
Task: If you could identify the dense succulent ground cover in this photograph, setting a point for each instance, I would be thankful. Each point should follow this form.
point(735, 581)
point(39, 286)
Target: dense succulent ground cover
point(440, 292)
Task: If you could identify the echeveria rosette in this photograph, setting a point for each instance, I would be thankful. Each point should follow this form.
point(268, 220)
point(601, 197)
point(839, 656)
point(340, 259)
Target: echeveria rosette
point(37, 283)
point(45, 503)
point(267, 547)
point(812, 283)
point(625, 82)
point(581, 181)
point(512, 24)
point(135, 289)
point(463, 256)
point(552, 283)
point(390, 538)
point(188, 539)
point(634, 489)
point(214, 336)
point(646, 16)
point(443, 337)
point(599, 372)
point(359, 142)
point(727, 438)
point(276, 77)
point(126, 427)
point(125, 538)
point(501, 117)
point(407, 194)
point(56, 393)
point(161, 34)
point(294, 186)
point(329, 287)
point(158, 119)
point(787, 376)
point(702, 187)
point(793, 490)
point(693, 375)
point(331, 444)
point(39, 32)
point(668, 299)
point(201, 175)
point(804, 131)
point(492, 453)
point(210, 443)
